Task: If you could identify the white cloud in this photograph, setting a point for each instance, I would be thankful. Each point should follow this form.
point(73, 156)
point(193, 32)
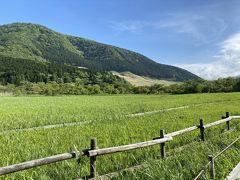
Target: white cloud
point(226, 63)
point(230, 50)
point(128, 26)
point(203, 28)
point(182, 23)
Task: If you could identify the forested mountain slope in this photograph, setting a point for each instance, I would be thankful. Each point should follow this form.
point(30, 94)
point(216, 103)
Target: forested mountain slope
point(17, 71)
point(35, 42)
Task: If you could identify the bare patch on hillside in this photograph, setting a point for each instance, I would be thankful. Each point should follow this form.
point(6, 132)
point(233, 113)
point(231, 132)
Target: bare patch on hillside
point(141, 80)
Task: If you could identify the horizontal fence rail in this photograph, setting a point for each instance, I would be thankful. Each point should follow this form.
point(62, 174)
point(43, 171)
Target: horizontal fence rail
point(226, 148)
point(93, 151)
point(111, 150)
point(183, 131)
point(202, 171)
point(37, 162)
point(217, 122)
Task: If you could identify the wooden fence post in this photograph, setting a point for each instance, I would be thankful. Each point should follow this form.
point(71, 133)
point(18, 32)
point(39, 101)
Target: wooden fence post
point(201, 127)
point(93, 146)
point(228, 122)
point(212, 168)
point(162, 145)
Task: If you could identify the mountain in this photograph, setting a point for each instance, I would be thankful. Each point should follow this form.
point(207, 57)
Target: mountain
point(36, 42)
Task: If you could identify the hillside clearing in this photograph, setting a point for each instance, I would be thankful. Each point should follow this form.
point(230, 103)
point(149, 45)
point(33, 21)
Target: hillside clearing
point(137, 80)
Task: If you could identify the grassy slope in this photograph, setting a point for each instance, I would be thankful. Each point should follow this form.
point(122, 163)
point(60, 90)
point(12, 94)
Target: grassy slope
point(113, 128)
point(141, 80)
point(37, 42)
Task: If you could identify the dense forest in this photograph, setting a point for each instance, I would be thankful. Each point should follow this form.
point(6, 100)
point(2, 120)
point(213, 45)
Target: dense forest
point(112, 58)
point(38, 43)
point(28, 76)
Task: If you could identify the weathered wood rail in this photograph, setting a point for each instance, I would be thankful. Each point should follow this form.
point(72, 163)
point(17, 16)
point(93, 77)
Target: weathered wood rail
point(123, 148)
point(37, 162)
point(177, 133)
point(93, 151)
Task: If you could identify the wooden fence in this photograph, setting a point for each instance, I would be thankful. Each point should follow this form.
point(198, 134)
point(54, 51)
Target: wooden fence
point(93, 151)
point(211, 162)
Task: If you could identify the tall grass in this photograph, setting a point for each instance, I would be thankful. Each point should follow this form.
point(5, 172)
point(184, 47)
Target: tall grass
point(111, 128)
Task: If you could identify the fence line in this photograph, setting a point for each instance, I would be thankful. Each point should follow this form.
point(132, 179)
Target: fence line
point(93, 152)
point(211, 160)
point(202, 171)
point(226, 148)
point(146, 164)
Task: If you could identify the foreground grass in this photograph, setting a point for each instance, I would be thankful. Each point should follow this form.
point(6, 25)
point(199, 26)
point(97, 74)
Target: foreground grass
point(114, 128)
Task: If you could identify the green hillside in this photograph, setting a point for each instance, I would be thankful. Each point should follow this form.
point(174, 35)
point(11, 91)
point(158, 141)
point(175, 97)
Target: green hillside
point(35, 42)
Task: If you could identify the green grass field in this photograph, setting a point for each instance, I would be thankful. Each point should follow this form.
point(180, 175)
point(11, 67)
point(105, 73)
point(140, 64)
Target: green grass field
point(110, 125)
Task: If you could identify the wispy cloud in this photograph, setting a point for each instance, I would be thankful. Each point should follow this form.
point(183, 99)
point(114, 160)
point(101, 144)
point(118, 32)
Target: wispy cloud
point(226, 63)
point(128, 26)
point(182, 23)
point(200, 27)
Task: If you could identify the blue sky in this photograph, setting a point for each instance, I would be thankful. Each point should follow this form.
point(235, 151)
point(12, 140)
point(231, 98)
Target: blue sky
point(202, 36)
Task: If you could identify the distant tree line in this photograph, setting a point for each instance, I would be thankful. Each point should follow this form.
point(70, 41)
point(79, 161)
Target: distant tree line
point(114, 87)
point(195, 86)
point(21, 76)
